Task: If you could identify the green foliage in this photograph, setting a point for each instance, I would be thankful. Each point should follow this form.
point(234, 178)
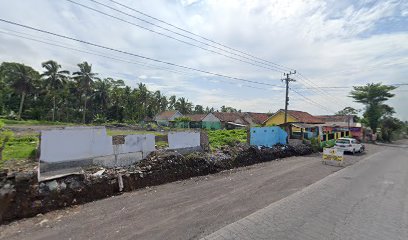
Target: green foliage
point(99, 119)
point(373, 97)
point(32, 122)
point(219, 138)
point(391, 129)
point(5, 136)
point(315, 144)
point(229, 109)
point(23, 147)
point(80, 97)
point(182, 119)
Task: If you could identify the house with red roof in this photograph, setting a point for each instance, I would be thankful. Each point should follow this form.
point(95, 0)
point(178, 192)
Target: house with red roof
point(164, 118)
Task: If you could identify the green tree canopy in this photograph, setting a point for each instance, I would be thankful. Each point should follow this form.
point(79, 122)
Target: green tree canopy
point(373, 96)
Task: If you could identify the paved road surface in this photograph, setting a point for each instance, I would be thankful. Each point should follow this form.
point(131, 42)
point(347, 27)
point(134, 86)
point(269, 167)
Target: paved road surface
point(368, 200)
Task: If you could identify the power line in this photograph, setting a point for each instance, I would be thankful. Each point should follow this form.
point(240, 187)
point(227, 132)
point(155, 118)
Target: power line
point(136, 55)
point(204, 38)
point(341, 87)
point(143, 64)
point(313, 102)
point(176, 39)
point(274, 65)
point(332, 98)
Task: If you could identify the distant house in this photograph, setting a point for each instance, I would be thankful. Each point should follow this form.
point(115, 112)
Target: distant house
point(342, 123)
point(231, 120)
point(210, 121)
point(293, 117)
point(196, 120)
point(164, 118)
point(254, 118)
point(337, 120)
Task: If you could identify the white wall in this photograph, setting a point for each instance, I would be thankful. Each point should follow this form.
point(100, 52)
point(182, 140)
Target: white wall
point(80, 143)
point(183, 139)
point(136, 143)
point(74, 143)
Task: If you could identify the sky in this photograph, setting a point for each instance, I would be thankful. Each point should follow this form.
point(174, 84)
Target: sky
point(329, 44)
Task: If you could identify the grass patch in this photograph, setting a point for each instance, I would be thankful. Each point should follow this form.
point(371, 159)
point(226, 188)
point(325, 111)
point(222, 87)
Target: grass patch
point(219, 138)
point(33, 122)
point(18, 148)
point(162, 144)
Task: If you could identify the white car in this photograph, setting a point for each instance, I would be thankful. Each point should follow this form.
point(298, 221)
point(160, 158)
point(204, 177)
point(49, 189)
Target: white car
point(349, 145)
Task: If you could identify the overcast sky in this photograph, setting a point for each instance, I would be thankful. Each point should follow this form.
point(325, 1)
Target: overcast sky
point(331, 43)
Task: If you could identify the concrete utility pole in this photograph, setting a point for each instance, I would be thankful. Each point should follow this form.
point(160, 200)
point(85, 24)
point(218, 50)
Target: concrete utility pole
point(287, 80)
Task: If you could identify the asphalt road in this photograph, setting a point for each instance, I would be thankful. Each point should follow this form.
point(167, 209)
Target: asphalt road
point(368, 200)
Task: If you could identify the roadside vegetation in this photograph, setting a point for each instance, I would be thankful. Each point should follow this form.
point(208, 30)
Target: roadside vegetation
point(219, 138)
point(377, 114)
point(16, 147)
point(83, 96)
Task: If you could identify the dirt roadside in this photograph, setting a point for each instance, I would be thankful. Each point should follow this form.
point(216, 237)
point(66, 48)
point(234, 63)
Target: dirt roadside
point(186, 209)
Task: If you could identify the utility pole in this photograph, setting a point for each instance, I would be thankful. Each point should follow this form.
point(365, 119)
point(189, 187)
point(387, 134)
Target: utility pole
point(287, 80)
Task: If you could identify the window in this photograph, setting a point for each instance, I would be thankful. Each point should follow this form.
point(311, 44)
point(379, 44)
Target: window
point(343, 141)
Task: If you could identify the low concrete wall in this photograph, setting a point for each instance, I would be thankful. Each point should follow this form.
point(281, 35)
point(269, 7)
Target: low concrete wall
point(179, 140)
point(82, 146)
point(74, 143)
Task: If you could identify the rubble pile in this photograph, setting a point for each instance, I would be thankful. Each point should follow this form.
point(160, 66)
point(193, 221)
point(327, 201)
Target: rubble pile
point(21, 195)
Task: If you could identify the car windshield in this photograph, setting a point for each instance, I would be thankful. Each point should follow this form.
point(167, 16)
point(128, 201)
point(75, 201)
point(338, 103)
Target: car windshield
point(343, 141)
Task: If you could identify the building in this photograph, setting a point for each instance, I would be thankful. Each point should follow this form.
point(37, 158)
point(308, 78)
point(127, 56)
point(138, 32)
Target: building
point(210, 121)
point(255, 118)
point(231, 120)
point(293, 117)
point(342, 123)
point(164, 118)
point(196, 120)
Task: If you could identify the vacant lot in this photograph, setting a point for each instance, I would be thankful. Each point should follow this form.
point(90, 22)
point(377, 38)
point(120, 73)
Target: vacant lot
point(181, 210)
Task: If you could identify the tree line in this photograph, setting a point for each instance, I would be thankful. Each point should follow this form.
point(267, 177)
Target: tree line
point(81, 96)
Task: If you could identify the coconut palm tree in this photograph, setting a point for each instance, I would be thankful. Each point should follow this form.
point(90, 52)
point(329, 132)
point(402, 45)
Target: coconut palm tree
point(85, 78)
point(55, 80)
point(101, 95)
point(22, 79)
point(183, 105)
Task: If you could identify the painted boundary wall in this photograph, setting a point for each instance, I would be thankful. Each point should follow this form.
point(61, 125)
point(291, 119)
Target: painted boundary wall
point(267, 136)
point(81, 146)
point(74, 143)
point(179, 140)
point(71, 146)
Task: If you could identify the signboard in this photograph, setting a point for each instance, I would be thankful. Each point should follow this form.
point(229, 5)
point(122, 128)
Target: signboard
point(333, 154)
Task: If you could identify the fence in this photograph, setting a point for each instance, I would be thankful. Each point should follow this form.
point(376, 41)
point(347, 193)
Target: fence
point(80, 146)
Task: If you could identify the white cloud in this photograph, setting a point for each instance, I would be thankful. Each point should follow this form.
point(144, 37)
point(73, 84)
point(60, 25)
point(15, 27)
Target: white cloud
point(334, 43)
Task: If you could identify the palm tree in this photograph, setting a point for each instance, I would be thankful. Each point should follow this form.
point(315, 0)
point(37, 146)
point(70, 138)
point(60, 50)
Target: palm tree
point(85, 78)
point(172, 102)
point(55, 80)
point(183, 105)
point(143, 97)
point(22, 78)
point(102, 90)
